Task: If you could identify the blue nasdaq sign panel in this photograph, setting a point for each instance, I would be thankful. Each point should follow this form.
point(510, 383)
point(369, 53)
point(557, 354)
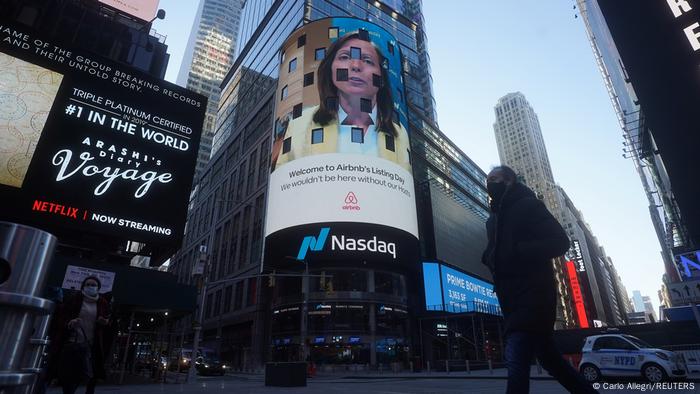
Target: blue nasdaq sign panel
point(450, 290)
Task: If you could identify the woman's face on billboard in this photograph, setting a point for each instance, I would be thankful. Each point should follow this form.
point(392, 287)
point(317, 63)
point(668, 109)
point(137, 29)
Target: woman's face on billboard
point(361, 60)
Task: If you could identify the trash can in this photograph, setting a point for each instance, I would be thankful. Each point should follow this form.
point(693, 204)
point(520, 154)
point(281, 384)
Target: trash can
point(25, 254)
point(292, 374)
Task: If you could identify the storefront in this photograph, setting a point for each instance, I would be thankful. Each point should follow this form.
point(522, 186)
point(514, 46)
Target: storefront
point(354, 317)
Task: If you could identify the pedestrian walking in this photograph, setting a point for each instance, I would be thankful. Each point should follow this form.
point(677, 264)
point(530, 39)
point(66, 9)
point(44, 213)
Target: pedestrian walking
point(523, 238)
point(77, 355)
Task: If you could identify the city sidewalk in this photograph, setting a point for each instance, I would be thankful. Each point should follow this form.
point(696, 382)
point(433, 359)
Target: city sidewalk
point(403, 382)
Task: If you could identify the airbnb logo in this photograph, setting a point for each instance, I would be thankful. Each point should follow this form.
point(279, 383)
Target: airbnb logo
point(351, 202)
point(351, 198)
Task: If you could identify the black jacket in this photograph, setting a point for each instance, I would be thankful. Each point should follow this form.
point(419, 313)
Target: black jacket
point(523, 238)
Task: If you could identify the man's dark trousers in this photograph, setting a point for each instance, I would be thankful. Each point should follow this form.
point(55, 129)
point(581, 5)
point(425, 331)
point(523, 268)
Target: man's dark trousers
point(521, 346)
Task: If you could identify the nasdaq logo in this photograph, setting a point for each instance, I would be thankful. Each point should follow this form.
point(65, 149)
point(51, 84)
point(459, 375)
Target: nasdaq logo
point(685, 262)
point(313, 243)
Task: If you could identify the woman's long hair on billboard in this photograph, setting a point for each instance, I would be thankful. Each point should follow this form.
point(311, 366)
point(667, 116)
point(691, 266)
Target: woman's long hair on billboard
point(328, 92)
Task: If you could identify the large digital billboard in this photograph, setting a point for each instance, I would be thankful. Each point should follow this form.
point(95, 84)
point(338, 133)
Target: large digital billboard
point(341, 186)
point(451, 290)
point(90, 145)
point(577, 294)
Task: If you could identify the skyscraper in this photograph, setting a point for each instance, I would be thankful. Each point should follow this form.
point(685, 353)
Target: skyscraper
point(521, 146)
point(228, 205)
point(208, 56)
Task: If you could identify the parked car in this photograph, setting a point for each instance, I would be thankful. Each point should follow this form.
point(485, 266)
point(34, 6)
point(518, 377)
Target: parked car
point(209, 366)
point(618, 355)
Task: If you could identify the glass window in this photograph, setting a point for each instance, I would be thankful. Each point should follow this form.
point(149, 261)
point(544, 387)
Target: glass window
point(377, 81)
point(296, 111)
point(614, 343)
point(217, 303)
point(287, 145)
point(332, 32)
point(389, 283)
point(228, 293)
point(365, 105)
point(238, 298)
point(349, 280)
point(317, 136)
point(355, 53)
point(292, 65)
point(351, 317)
point(286, 319)
point(252, 291)
point(309, 79)
point(301, 41)
point(341, 74)
point(319, 54)
point(284, 93)
point(390, 145)
point(391, 320)
point(357, 135)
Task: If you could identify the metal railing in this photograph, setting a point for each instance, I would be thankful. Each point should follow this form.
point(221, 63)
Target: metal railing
point(466, 307)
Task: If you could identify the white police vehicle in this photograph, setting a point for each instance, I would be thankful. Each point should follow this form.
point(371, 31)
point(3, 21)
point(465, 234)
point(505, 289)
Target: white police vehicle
point(618, 355)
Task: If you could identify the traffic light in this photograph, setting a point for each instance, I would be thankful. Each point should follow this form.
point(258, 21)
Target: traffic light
point(271, 279)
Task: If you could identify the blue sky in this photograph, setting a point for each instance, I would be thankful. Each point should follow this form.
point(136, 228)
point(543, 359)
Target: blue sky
point(481, 51)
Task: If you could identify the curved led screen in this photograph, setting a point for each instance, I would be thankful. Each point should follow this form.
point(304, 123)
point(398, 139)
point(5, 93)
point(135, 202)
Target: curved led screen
point(341, 186)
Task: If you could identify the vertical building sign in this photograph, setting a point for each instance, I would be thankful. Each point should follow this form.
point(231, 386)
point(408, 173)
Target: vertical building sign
point(578, 296)
point(341, 185)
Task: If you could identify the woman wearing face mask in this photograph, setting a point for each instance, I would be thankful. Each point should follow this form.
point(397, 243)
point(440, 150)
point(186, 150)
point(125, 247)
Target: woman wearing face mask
point(80, 320)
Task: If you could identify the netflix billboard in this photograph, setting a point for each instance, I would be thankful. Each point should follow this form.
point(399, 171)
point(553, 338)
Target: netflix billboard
point(90, 145)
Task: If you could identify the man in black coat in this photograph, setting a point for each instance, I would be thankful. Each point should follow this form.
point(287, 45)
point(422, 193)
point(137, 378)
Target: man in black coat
point(524, 237)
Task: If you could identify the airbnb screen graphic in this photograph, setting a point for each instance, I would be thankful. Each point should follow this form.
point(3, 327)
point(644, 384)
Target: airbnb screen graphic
point(341, 154)
point(92, 145)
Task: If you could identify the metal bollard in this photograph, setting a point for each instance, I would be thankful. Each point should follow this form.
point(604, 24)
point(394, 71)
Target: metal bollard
point(539, 367)
point(490, 367)
point(447, 366)
point(428, 365)
point(25, 254)
point(466, 366)
point(410, 366)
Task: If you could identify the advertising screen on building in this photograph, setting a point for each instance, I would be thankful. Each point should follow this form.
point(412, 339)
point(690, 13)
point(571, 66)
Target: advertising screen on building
point(341, 186)
point(689, 265)
point(142, 9)
point(577, 294)
point(90, 145)
point(450, 290)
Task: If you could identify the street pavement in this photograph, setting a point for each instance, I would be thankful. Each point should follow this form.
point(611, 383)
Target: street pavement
point(455, 383)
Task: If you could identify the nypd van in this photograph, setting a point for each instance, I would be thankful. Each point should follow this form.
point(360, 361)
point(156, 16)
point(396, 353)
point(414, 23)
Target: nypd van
point(618, 355)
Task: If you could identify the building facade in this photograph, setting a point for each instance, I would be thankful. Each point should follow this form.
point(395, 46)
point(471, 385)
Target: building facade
point(647, 107)
point(96, 27)
point(208, 56)
point(364, 315)
point(604, 296)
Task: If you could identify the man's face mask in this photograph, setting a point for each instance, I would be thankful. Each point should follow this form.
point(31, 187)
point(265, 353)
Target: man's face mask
point(496, 191)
